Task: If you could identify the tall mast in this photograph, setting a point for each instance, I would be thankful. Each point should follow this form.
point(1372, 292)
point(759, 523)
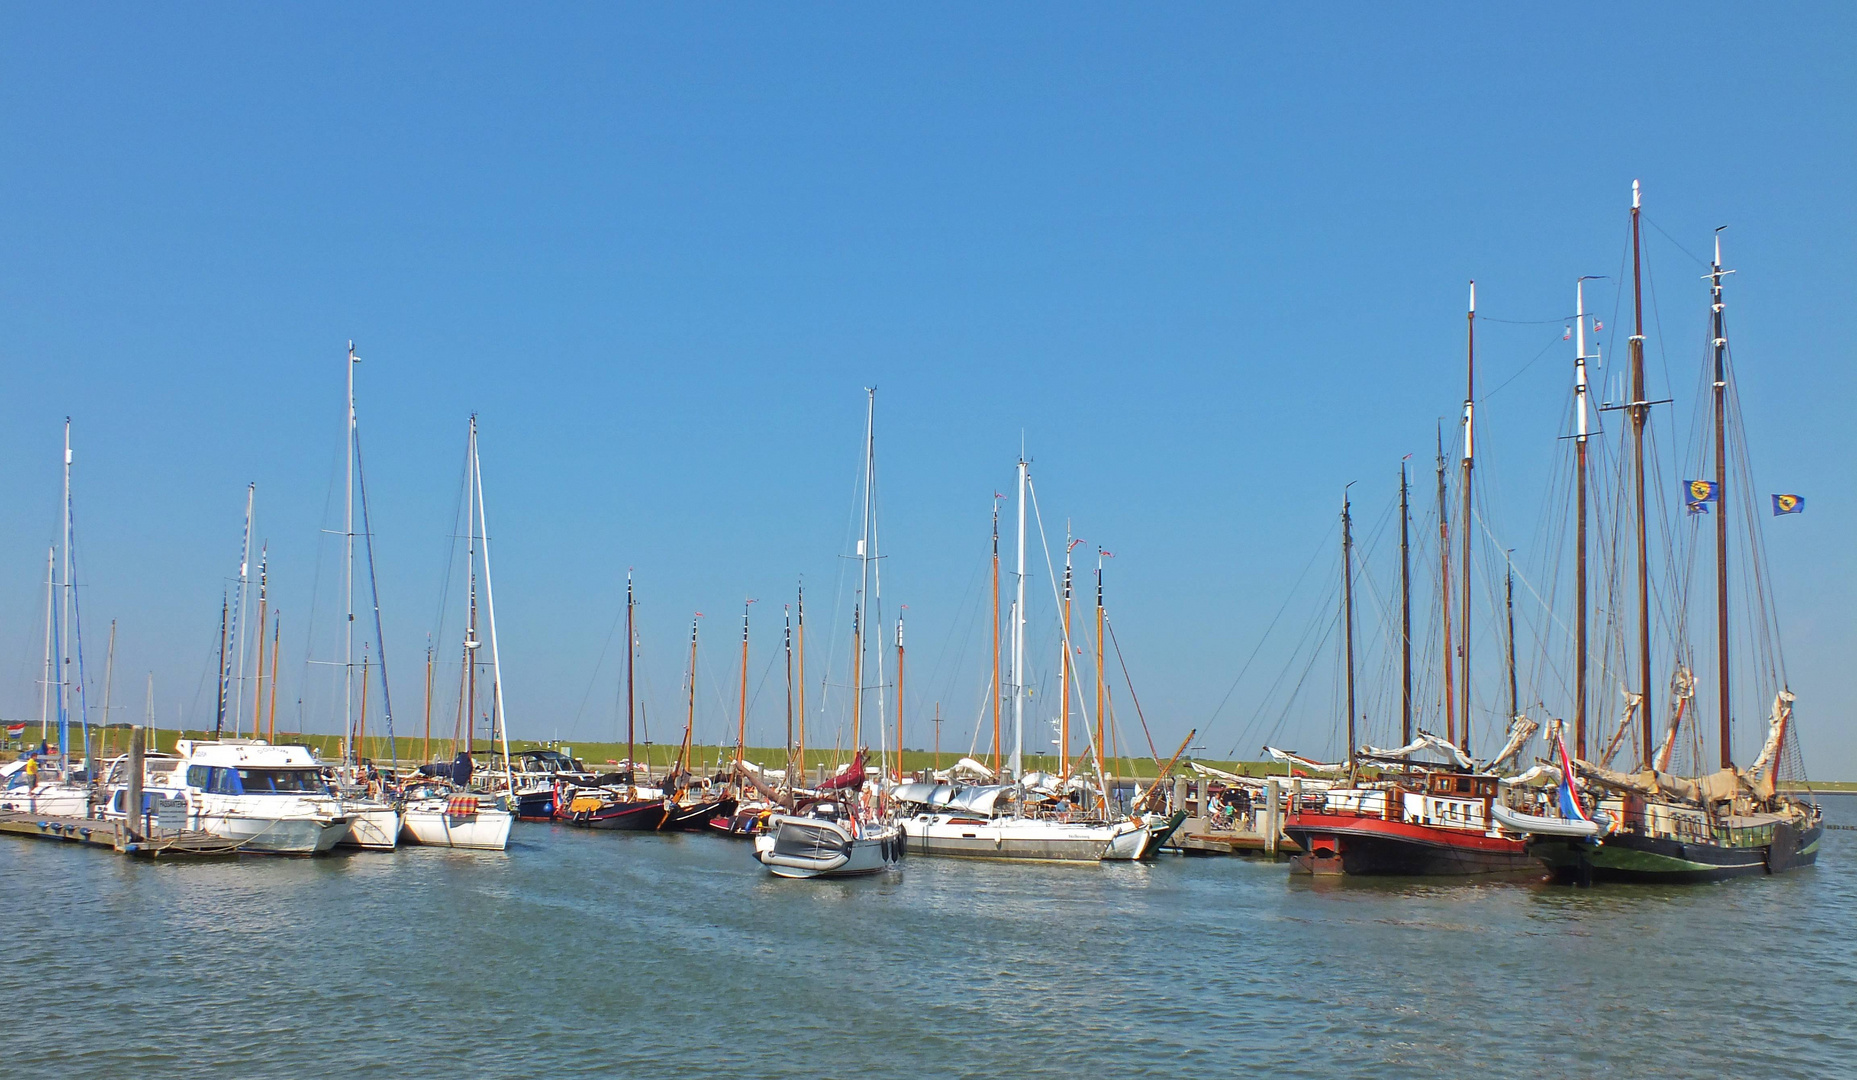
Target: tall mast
point(800, 648)
point(277, 632)
point(1640, 414)
point(741, 727)
point(468, 705)
point(1347, 609)
point(501, 725)
point(1102, 686)
point(1720, 341)
point(899, 696)
point(64, 623)
point(1405, 612)
point(1018, 641)
point(787, 639)
point(239, 628)
point(689, 721)
point(857, 676)
point(1509, 605)
point(426, 754)
point(995, 761)
point(51, 661)
point(109, 678)
point(1063, 738)
point(631, 700)
point(348, 552)
point(1581, 422)
point(1464, 517)
point(860, 619)
point(219, 715)
point(257, 697)
point(1444, 596)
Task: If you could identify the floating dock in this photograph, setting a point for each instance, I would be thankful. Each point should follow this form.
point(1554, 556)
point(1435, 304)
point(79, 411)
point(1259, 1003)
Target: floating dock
point(115, 835)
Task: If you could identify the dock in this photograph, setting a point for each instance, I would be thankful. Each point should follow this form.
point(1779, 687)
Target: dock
point(115, 835)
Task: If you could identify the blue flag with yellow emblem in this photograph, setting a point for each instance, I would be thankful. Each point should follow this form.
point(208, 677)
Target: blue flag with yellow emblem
point(1701, 491)
point(1787, 504)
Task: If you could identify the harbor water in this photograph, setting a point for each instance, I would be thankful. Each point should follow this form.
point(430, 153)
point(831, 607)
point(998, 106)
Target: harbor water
point(595, 954)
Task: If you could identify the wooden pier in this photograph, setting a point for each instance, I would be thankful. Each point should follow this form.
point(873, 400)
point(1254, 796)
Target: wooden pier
point(115, 835)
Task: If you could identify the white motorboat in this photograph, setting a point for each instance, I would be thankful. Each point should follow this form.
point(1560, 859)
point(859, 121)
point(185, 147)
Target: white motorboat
point(271, 799)
point(826, 842)
point(978, 822)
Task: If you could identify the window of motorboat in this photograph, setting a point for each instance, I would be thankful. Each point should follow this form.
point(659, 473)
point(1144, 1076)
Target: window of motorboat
point(214, 780)
point(282, 782)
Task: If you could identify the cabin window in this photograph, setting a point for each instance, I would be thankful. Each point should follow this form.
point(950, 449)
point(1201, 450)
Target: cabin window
point(287, 781)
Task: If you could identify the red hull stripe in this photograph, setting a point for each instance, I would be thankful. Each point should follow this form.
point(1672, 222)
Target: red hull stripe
point(1344, 825)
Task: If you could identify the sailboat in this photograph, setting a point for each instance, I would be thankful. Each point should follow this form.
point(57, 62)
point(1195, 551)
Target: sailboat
point(443, 816)
point(1421, 816)
point(1035, 816)
point(1651, 825)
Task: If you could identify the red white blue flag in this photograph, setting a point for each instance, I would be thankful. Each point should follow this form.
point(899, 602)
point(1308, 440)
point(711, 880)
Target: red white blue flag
point(1570, 807)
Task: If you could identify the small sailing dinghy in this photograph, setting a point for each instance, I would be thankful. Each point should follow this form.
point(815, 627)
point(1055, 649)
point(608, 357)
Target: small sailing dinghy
point(828, 840)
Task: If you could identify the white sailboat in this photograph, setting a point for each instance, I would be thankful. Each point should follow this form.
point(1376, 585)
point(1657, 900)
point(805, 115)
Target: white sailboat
point(436, 815)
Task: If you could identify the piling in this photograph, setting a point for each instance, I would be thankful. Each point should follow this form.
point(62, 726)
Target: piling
point(1273, 816)
point(132, 798)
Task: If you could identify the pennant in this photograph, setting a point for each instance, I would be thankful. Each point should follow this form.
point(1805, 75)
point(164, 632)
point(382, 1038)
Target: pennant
point(1567, 334)
point(1697, 507)
point(1788, 504)
point(1701, 491)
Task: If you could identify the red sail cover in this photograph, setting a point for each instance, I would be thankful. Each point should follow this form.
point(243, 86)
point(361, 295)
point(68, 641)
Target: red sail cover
point(851, 779)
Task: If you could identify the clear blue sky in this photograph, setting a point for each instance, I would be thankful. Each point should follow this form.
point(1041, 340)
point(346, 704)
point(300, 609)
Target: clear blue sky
point(1210, 261)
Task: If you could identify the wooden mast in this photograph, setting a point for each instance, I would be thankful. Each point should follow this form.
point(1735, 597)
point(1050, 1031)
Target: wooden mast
point(1464, 516)
point(689, 721)
point(1580, 662)
point(277, 630)
point(1444, 597)
point(1347, 609)
point(1719, 338)
point(1405, 612)
point(1509, 605)
point(1640, 414)
point(995, 761)
point(741, 728)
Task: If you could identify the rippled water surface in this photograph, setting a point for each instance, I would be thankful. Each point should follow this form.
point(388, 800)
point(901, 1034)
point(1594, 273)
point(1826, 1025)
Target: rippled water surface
point(594, 954)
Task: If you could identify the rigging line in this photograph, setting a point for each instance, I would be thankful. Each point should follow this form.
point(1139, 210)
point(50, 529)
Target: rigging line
point(1131, 689)
point(1646, 217)
point(380, 643)
point(594, 679)
point(1523, 370)
point(1519, 576)
point(1315, 554)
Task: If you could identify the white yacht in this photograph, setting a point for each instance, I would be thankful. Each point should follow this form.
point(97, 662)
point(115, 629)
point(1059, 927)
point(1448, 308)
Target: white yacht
point(828, 840)
point(271, 799)
point(51, 797)
point(438, 815)
point(991, 823)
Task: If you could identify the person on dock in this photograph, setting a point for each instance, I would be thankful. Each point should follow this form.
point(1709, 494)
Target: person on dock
point(32, 773)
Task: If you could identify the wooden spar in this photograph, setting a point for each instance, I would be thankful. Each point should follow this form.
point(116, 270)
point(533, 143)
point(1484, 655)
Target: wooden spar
point(1347, 606)
point(800, 648)
point(899, 696)
point(1444, 597)
point(1165, 769)
point(1580, 661)
point(1719, 338)
point(995, 762)
point(1464, 515)
point(741, 729)
point(1640, 414)
point(631, 700)
point(257, 697)
point(1509, 604)
point(1405, 612)
point(689, 721)
point(787, 639)
point(277, 630)
point(1063, 724)
point(1102, 686)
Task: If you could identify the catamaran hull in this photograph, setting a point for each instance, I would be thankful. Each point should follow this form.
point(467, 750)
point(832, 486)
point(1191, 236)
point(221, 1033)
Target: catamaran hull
point(1375, 848)
point(486, 830)
point(1628, 857)
point(375, 829)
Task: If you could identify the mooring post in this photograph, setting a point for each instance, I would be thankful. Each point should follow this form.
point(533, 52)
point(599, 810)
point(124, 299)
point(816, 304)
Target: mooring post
point(1179, 793)
point(1273, 811)
point(132, 797)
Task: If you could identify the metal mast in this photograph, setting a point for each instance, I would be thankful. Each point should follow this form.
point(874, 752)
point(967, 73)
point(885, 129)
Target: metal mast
point(995, 633)
point(1063, 672)
point(787, 638)
point(500, 726)
point(1102, 686)
point(64, 623)
point(1464, 517)
point(1018, 641)
point(741, 728)
point(348, 558)
point(1581, 431)
point(240, 629)
point(1640, 415)
point(1509, 605)
point(1719, 339)
point(1444, 596)
point(631, 697)
point(860, 618)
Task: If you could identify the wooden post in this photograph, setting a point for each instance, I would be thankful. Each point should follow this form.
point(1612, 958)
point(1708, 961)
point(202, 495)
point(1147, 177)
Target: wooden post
point(132, 797)
point(1179, 793)
point(1273, 815)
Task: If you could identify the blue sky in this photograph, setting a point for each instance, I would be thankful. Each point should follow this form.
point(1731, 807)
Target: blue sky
point(1210, 263)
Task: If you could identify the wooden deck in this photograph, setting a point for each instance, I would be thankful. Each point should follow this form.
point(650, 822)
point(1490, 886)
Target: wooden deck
point(115, 836)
